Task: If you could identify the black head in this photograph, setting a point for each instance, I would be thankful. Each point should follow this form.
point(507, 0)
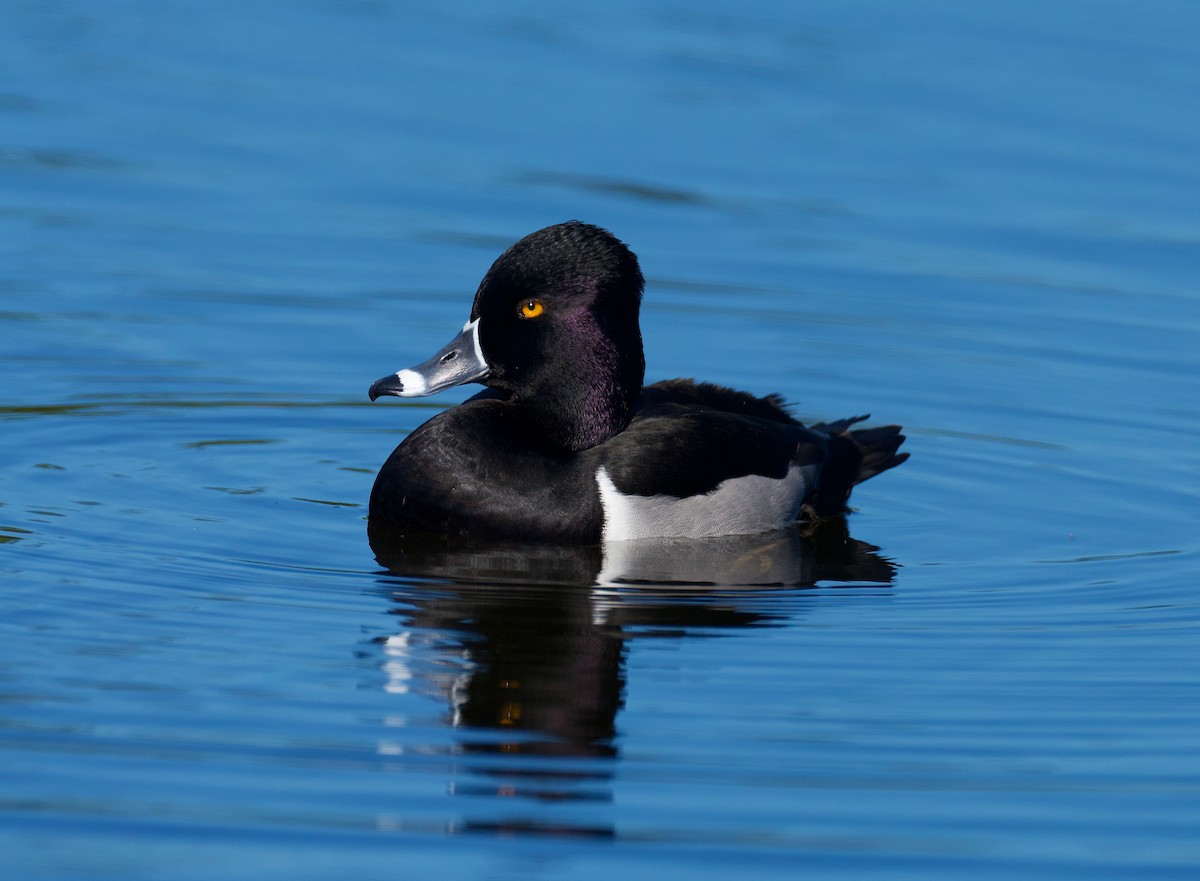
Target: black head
point(558, 326)
point(554, 329)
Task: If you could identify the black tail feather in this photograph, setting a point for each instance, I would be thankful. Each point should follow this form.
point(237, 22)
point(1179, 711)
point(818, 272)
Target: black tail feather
point(854, 456)
point(878, 448)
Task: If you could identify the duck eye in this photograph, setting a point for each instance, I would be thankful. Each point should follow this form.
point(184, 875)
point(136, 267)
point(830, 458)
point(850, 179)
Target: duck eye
point(531, 309)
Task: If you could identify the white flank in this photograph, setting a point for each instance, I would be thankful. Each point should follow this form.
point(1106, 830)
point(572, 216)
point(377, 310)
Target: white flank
point(739, 506)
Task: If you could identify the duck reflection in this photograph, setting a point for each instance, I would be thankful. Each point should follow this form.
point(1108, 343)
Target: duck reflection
point(529, 643)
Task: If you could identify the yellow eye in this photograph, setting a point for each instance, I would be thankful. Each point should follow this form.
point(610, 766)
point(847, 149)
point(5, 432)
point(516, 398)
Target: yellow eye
point(532, 309)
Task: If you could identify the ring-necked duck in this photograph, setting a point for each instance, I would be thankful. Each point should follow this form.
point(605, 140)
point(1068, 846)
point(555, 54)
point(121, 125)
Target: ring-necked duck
point(565, 444)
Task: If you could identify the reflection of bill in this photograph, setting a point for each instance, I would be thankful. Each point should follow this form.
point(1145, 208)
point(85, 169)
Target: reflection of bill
point(526, 645)
point(532, 686)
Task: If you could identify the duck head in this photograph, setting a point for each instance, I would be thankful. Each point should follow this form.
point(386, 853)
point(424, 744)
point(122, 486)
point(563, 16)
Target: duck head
point(553, 329)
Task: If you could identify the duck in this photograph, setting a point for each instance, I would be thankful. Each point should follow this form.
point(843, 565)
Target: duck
point(565, 444)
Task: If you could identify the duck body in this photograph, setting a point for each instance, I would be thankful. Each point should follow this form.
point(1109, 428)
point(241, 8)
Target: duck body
point(565, 445)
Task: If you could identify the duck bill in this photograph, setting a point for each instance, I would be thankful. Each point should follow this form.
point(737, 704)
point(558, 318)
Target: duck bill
point(458, 362)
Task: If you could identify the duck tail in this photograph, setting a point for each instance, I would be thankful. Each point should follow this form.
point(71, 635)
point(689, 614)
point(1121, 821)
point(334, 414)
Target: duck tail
point(855, 455)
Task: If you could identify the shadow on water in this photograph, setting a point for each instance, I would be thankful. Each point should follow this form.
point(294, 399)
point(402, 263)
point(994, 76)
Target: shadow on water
point(532, 640)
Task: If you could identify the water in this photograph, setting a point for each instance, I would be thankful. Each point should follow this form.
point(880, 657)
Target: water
point(221, 222)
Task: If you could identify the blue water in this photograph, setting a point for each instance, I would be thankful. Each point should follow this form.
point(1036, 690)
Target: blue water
point(220, 222)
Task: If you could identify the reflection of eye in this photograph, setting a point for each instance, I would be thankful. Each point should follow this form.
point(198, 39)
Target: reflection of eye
point(532, 309)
